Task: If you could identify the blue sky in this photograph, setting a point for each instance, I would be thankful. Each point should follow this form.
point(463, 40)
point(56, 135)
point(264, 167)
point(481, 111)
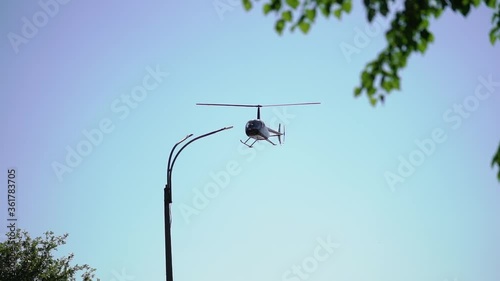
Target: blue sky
point(403, 191)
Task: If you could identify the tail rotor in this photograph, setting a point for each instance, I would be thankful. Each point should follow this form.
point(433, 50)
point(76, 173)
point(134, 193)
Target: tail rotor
point(281, 134)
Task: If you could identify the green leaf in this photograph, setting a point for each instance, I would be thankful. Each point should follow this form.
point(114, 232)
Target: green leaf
point(476, 2)
point(493, 35)
point(424, 35)
point(424, 24)
point(371, 14)
point(437, 12)
point(366, 79)
point(347, 6)
point(490, 3)
point(496, 158)
point(371, 91)
point(357, 91)
point(373, 101)
point(384, 9)
point(280, 25)
point(387, 85)
point(267, 8)
point(293, 3)
point(396, 83)
point(304, 26)
point(311, 14)
point(493, 38)
point(287, 15)
point(422, 46)
point(465, 10)
point(430, 39)
point(337, 13)
point(247, 4)
point(325, 9)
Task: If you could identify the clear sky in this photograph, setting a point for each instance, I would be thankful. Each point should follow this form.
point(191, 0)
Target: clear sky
point(97, 92)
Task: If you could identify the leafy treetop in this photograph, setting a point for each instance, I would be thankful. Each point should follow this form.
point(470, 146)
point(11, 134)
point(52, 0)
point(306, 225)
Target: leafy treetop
point(24, 258)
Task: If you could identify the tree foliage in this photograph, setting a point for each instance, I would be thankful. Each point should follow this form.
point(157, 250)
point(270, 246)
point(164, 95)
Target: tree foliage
point(25, 259)
point(408, 33)
point(496, 161)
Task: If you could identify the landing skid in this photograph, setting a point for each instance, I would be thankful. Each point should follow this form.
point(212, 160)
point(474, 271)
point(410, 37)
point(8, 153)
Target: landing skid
point(251, 145)
point(245, 143)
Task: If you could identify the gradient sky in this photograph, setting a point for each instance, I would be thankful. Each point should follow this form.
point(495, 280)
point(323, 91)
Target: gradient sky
point(271, 206)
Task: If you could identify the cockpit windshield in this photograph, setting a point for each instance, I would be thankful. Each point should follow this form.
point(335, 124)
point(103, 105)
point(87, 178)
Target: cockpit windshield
point(254, 125)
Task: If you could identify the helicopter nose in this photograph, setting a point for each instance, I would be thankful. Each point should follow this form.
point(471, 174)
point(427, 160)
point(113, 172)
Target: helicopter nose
point(251, 132)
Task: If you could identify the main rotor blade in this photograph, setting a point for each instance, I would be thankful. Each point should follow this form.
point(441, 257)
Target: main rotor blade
point(290, 104)
point(258, 105)
point(226, 104)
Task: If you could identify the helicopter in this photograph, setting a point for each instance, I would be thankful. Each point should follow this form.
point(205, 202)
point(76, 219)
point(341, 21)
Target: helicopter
point(256, 129)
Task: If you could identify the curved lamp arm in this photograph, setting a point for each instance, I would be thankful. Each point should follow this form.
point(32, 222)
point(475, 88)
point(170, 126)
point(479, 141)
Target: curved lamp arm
point(197, 138)
point(172, 152)
point(171, 166)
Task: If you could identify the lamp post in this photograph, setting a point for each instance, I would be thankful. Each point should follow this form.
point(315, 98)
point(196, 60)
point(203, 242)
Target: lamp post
point(167, 196)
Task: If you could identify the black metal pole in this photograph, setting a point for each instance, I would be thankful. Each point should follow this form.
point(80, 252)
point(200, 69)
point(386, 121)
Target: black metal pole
point(168, 238)
point(167, 198)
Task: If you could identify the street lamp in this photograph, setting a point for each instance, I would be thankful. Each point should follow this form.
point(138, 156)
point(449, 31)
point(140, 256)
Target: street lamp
point(167, 196)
